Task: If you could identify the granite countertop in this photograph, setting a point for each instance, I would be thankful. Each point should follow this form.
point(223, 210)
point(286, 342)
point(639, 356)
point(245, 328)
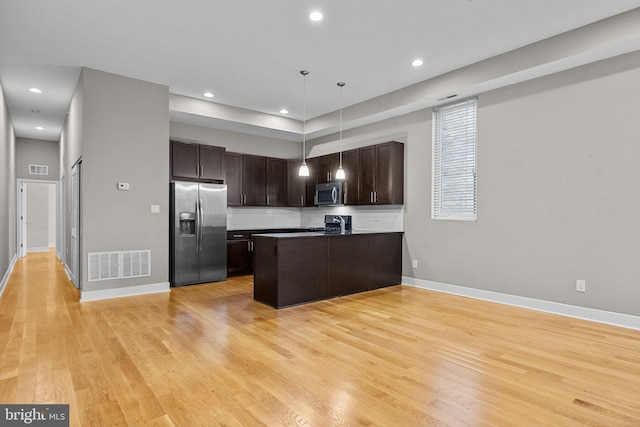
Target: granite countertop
point(275, 230)
point(323, 234)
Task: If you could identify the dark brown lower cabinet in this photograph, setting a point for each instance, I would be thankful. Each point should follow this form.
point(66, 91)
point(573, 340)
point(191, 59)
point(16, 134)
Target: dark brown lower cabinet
point(385, 258)
point(348, 265)
point(239, 253)
point(293, 270)
point(299, 264)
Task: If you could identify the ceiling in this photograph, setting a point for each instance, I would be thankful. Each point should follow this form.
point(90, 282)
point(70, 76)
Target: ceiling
point(249, 52)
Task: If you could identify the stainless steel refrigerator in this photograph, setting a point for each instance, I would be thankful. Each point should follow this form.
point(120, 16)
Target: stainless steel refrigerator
point(198, 233)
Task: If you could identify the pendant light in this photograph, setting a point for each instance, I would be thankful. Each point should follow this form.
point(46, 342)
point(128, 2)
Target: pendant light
point(304, 169)
point(340, 172)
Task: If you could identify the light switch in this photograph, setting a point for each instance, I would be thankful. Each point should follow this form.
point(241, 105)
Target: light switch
point(155, 208)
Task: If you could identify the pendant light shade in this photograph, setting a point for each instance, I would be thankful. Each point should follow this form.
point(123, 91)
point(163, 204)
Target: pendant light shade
point(340, 172)
point(304, 169)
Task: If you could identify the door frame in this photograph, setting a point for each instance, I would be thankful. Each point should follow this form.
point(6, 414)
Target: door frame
point(22, 209)
point(75, 200)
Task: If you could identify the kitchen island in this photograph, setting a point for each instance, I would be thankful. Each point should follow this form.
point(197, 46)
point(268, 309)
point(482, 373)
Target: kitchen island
point(296, 268)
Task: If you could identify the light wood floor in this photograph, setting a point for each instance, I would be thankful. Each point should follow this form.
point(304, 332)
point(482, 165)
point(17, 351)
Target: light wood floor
point(209, 355)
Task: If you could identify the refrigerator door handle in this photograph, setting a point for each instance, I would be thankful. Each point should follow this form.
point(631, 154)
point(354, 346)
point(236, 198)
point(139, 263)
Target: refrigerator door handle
point(199, 219)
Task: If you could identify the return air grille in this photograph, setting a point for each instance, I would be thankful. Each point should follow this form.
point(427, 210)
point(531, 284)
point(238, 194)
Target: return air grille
point(119, 265)
point(38, 170)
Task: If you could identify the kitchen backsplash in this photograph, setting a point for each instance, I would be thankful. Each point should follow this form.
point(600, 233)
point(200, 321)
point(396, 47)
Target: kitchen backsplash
point(252, 218)
point(364, 217)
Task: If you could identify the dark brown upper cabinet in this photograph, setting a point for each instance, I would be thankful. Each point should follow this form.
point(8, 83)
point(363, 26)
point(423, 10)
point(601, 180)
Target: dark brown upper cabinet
point(351, 166)
point(233, 178)
point(381, 174)
point(256, 180)
point(312, 180)
point(276, 182)
point(197, 162)
point(245, 179)
point(374, 176)
point(327, 167)
point(296, 184)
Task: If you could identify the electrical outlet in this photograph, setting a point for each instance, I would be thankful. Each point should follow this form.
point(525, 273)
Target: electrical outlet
point(581, 286)
point(414, 263)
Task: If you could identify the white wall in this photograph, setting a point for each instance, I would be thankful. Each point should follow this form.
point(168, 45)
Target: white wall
point(70, 154)
point(558, 195)
point(7, 192)
point(236, 142)
point(37, 152)
point(120, 129)
point(41, 229)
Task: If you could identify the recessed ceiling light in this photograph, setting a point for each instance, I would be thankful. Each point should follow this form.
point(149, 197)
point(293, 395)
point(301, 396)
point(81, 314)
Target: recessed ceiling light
point(284, 111)
point(417, 62)
point(316, 16)
point(209, 95)
point(39, 128)
point(35, 90)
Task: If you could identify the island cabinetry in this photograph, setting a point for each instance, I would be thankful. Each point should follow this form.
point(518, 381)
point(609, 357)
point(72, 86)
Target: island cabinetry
point(348, 265)
point(197, 162)
point(385, 260)
point(297, 268)
point(290, 271)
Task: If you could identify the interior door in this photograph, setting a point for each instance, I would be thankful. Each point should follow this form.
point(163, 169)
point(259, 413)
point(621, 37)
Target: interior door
point(61, 222)
point(76, 225)
point(22, 244)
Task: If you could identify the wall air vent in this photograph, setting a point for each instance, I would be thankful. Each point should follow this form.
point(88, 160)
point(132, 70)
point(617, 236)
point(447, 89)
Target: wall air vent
point(119, 265)
point(38, 170)
point(444, 98)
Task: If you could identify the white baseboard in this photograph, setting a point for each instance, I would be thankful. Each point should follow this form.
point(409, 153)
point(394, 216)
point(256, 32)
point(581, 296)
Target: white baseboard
point(7, 274)
point(69, 274)
point(124, 292)
point(594, 315)
point(38, 249)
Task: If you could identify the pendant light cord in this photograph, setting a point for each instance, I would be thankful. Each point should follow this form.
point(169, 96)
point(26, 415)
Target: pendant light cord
point(341, 85)
point(304, 115)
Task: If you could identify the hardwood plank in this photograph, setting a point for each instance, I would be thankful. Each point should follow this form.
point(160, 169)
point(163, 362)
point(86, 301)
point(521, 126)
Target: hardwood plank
point(398, 356)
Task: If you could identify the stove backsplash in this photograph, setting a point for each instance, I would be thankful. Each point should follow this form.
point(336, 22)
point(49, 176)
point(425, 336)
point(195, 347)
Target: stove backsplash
point(364, 217)
point(253, 218)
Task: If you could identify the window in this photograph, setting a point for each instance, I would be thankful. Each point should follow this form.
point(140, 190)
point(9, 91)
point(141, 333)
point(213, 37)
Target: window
point(454, 161)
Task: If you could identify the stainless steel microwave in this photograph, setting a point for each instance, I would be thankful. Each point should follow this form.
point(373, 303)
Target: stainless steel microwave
point(329, 194)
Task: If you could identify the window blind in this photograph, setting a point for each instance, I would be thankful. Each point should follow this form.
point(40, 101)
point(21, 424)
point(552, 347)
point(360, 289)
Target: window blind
point(454, 161)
